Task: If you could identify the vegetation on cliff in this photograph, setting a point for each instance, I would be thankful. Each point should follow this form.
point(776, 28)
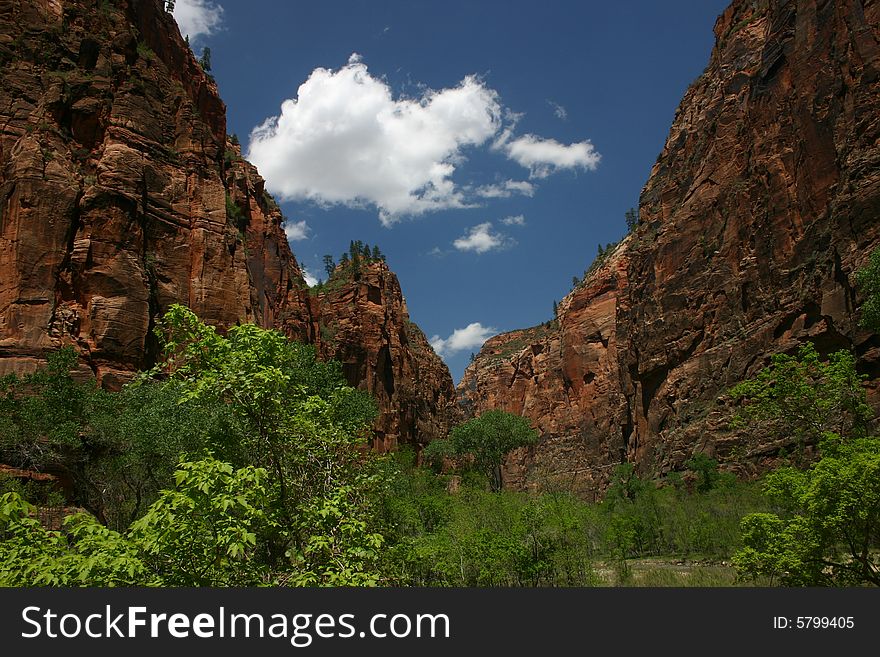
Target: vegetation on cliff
point(827, 531)
point(233, 462)
point(239, 460)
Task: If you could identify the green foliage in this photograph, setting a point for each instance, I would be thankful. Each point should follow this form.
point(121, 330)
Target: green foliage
point(708, 475)
point(259, 403)
point(229, 157)
point(349, 268)
point(487, 439)
point(632, 219)
point(641, 519)
point(202, 533)
point(145, 52)
point(477, 538)
point(827, 530)
point(801, 398)
point(205, 59)
point(205, 531)
point(868, 279)
point(42, 415)
point(43, 493)
point(302, 423)
point(138, 436)
point(480, 538)
point(85, 553)
point(234, 214)
point(833, 534)
point(341, 549)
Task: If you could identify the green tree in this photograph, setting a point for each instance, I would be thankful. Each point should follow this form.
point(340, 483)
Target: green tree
point(329, 265)
point(708, 475)
point(205, 59)
point(486, 440)
point(301, 422)
point(632, 219)
point(136, 438)
point(44, 418)
point(868, 279)
point(832, 535)
point(803, 397)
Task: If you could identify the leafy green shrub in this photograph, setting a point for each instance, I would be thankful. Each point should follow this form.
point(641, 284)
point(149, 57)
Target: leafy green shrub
point(833, 534)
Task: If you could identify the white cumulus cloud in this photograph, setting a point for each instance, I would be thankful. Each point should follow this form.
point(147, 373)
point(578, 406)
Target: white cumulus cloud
point(470, 337)
point(518, 220)
point(345, 139)
point(309, 277)
point(545, 156)
point(482, 238)
point(295, 231)
point(197, 18)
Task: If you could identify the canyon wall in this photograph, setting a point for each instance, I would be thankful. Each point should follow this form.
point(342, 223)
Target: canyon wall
point(763, 203)
point(121, 194)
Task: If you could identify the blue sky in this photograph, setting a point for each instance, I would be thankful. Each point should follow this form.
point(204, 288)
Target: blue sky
point(486, 147)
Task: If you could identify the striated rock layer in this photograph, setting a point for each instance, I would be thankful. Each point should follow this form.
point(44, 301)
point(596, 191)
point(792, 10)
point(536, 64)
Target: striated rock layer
point(762, 205)
point(120, 195)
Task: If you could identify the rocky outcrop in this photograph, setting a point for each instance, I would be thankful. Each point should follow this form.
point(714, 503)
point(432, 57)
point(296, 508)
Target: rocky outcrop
point(120, 194)
point(111, 185)
point(762, 205)
point(563, 375)
point(362, 321)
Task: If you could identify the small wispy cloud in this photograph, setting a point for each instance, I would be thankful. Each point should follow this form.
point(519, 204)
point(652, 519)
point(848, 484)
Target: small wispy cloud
point(560, 112)
point(506, 189)
point(471, 336)
point(482, 238)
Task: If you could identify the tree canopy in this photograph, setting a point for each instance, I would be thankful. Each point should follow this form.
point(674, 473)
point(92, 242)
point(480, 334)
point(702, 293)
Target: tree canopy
point(237, 460)
point(486, 440)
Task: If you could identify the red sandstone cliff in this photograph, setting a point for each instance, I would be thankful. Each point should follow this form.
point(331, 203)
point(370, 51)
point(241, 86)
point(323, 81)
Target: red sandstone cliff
point(763, 203)
point(120, 194)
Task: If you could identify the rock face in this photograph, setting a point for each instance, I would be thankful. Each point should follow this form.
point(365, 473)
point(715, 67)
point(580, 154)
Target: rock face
point(362, 321)
point(120, 194)
point(762, 205)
